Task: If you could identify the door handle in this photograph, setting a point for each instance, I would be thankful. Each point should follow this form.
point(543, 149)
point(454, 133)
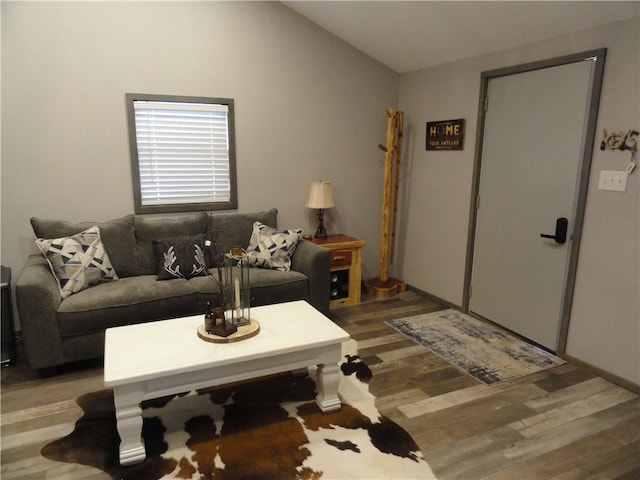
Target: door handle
point(561, 231)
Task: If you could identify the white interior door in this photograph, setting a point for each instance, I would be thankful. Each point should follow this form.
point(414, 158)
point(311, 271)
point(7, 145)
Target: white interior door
point(530, 168)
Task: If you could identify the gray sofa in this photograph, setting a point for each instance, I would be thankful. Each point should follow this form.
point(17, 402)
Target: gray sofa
point(56, 330)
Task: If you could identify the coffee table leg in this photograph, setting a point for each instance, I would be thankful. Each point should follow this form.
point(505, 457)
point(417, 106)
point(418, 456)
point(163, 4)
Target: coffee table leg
point(129, 417)
point(327, 382)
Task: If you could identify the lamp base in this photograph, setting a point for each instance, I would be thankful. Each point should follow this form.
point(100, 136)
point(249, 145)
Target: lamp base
point(320, 231)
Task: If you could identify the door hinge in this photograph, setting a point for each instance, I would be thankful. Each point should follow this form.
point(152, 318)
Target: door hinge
point(478, 202)
point(470, 290)
point(486, 103)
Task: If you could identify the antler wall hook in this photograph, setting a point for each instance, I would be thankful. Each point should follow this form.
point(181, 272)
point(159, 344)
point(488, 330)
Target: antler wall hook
point(619, 141)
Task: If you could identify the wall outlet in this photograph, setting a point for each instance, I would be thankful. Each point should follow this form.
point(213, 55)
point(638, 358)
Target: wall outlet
point(612, 180)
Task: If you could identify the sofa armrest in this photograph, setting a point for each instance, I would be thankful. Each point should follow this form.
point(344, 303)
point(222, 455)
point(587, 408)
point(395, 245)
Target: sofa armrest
point(315, 262)
point(37, 300)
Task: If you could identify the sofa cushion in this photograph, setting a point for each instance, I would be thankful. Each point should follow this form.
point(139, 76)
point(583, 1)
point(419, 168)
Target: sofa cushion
point(78, 261)
point(147, 230)
point(125, 302)
point(234, 229)
point(117, 236)
point(180, 257)
point(275, 286)
point(272, 248)
point(266, 287)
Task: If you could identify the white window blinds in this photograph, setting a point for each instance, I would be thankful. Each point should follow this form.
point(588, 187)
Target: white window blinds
point(183, 152)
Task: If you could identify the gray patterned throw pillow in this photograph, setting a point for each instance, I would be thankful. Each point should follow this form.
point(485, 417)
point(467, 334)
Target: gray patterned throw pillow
point(78, 262)
point(272, 248)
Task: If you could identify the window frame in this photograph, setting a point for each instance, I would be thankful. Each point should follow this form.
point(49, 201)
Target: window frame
point(139, 208)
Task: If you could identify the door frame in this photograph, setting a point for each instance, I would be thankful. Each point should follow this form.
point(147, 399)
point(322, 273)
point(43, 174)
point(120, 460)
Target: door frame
point(588, 144)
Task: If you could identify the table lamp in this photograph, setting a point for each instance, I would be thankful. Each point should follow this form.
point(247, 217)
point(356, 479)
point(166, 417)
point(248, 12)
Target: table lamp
point(320, 197)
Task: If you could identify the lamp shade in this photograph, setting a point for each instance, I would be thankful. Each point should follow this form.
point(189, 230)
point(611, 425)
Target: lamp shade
point(320, 195)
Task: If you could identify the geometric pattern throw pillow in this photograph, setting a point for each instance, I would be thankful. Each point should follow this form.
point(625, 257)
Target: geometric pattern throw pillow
point(77, 262)
point(272, 248)
point(180, 257)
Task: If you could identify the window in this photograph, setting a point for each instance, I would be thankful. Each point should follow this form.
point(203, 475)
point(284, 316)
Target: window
point(182, 153)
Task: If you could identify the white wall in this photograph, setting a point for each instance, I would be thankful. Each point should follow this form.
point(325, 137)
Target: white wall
point(605, 321)
point(308, 107)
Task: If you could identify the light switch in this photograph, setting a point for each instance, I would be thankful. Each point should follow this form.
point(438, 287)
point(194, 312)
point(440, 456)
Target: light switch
point(613, 180)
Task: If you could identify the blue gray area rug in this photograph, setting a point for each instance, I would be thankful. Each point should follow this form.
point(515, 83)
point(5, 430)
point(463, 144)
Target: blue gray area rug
point(484, 351)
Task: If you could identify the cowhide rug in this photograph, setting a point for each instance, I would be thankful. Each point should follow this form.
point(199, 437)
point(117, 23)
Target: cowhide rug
point(268, 428)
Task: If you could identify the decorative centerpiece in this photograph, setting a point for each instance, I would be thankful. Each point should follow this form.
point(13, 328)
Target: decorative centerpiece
point(215, 322)
point(230, 320)
point(238, 305)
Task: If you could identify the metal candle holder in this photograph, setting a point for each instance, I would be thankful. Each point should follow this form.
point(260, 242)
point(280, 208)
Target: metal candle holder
point(238, 298)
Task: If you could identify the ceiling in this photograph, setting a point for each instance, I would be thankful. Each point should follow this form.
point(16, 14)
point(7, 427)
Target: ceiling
point(412, 35)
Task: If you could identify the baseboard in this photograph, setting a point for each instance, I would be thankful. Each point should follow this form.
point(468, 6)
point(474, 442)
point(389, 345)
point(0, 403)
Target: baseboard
point(634, 387)
point(428, 295)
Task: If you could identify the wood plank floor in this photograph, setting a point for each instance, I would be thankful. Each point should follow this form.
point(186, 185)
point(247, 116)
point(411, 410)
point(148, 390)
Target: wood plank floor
point(561, 424)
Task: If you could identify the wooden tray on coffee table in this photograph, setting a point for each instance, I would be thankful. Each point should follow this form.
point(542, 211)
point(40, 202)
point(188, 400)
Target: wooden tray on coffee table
point(244, 332)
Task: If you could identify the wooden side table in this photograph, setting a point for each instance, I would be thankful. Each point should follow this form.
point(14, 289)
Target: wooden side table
point(346, 267)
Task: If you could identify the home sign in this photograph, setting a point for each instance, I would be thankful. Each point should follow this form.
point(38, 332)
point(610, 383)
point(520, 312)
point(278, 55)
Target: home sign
point(445, 135)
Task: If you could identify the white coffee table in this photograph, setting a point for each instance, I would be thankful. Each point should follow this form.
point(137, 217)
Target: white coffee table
point(156, 359)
